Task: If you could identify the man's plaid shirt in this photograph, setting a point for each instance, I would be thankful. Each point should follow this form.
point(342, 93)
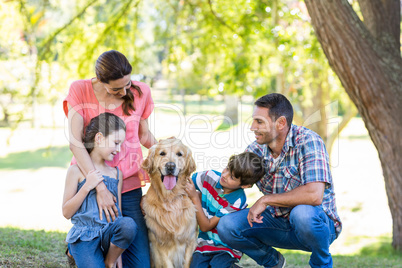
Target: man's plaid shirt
point(303, 159)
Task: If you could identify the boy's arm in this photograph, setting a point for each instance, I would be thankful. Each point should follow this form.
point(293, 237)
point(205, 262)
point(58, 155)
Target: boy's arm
point(203, 221)
point(72, 200)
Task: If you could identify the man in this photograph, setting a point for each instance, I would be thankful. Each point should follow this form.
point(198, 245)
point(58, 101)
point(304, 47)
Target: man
point(298, 208)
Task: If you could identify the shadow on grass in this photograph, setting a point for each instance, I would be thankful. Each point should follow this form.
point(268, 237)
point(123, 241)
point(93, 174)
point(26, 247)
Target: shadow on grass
point(30, 248)
point(44, 157)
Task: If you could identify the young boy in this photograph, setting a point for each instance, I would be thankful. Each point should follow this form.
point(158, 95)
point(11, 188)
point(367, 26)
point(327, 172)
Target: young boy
point(220, 194)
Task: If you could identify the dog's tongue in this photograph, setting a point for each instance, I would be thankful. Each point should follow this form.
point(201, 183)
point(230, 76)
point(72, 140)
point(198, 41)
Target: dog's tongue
point(169, 182)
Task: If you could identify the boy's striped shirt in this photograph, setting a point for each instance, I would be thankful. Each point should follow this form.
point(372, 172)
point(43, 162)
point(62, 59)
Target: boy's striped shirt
point(214, 203)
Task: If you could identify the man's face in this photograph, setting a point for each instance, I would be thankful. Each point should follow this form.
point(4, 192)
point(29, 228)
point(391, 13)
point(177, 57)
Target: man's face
point(263, 126)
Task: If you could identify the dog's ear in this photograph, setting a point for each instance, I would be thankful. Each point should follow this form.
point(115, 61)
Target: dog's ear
point(190, 163)
point(147, 165)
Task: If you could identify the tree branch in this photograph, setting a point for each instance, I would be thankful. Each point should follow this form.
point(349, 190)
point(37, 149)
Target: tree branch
point(123, 11)
point(382, 19)
point(221, 21)
point(44, 48)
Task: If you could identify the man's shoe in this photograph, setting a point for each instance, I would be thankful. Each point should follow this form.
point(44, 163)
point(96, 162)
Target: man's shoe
point(281, 262)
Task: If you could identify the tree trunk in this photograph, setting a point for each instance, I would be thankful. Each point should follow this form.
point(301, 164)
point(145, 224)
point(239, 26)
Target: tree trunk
point(183, 100)
point(231, 111)
point(368, 62)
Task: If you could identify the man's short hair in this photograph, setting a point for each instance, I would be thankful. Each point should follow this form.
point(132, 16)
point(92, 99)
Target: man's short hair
point(247, 166)
point(278, 106)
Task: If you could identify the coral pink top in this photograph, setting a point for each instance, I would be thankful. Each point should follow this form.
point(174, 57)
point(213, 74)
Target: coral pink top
point(82, 98)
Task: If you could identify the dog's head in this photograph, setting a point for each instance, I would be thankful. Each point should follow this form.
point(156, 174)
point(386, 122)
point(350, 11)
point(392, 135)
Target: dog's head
point(169, 163)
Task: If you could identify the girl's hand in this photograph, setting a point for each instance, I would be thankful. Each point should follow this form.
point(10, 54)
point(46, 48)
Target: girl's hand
point(119, 262)
point(93, 178)
point(142, 204)
point(190, 189)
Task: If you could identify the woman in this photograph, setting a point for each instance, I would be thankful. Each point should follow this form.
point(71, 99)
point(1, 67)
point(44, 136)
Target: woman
point(113, 91)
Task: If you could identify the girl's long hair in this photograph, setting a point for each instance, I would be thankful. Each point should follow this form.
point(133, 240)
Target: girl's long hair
point(104, 123)
point(113, 65)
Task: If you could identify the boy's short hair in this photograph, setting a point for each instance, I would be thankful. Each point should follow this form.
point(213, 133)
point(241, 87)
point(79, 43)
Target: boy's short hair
point(247, 166)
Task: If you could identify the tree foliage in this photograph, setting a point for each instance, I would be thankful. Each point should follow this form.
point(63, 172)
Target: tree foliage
point(253, 48)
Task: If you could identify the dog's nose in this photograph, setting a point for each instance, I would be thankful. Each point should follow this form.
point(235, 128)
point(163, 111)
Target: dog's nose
point(170, 167)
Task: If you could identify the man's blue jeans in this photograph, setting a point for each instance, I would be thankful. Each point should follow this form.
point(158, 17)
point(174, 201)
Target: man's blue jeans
point(137, 254)
point(308, 229)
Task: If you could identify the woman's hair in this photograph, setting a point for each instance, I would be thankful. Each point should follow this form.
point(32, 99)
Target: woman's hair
point(113, 65)
point(104, 123)
point(247, 166)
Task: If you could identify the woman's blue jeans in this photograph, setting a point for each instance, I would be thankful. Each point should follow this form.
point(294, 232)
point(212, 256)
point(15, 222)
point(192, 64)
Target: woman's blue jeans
point(137, 254)
point(308, 228)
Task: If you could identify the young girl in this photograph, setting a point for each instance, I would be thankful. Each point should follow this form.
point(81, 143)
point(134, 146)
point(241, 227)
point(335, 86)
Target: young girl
point(93, 241)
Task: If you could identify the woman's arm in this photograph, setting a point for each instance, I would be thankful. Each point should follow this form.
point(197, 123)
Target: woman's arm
point(120, 186)
point(105, 199)
point(147, 139)
point(72, 200)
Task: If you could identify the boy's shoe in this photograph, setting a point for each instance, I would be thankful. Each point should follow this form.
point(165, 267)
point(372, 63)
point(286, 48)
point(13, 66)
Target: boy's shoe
point(281, 262)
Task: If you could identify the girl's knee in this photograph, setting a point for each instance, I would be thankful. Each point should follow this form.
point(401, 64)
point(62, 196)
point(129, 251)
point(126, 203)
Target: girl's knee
point(127, 229)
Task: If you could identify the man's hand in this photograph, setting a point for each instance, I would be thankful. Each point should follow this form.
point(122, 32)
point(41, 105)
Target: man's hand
point(106, 201)
point(254, 214)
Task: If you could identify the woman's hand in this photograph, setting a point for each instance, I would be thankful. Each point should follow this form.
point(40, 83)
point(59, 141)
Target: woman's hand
point(92, 180)
point(106, 202)
point(190, 190)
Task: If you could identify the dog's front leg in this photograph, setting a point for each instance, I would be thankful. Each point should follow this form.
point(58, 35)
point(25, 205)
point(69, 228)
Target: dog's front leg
point(188, 257)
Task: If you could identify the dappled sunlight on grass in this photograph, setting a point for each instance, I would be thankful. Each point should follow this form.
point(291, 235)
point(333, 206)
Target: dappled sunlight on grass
point(382, 248)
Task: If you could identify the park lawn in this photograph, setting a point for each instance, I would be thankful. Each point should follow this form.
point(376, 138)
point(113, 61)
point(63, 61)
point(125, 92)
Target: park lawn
point(29, 248)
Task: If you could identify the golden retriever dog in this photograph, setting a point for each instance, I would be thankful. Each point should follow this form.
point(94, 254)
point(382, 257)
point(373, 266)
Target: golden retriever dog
point(169, 212)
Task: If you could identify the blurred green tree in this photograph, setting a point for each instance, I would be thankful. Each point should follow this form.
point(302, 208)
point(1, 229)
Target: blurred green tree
point(54, 42)
point(254, 48)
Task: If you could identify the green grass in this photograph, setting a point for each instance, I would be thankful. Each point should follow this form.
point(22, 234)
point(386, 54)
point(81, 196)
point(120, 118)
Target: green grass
point(43, 157)
point(379, 254)
point(29, 248)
